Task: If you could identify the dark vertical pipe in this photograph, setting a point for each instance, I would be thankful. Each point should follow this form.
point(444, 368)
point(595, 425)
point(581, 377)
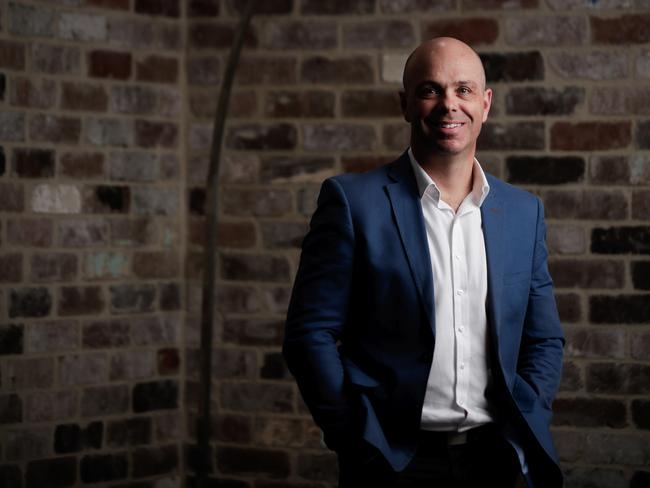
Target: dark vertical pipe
point(209, 270)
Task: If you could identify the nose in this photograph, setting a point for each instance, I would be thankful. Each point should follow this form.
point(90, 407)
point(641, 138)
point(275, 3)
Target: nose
point(448, 102)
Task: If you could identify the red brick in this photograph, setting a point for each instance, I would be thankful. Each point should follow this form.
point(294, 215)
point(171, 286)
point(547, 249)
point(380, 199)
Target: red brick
point(337, 7)
point(306, 35)
point(157, 69)
point(618, 378)
point(256, 202)
point(32, 163)
point(544, 101)
point(396, 136)
point(361, 164)
point(626, 29)
point(370, 103)
point(28, 93)
point(229, 234)
point(169, 361)
point(332, 137)
point(641, 204)
point(204, 71)
point(80, 300)
point(261, 137)
point(112, 4)
point(319, 69)
point(378, 34)
point(82, 165)
point(544, 30)
point(254, 267)
point(82, 232)
point(277, 169)
point(30, 302)
point(53, 267)
point(640, 346)
point(54, 129)
point(512, 136)
point(590, 412)
point(569, 307)
point(283, 235)
point(30, 232)
point(109, 64)
point(133, 232)
point(218, 36)
point(474, 31)
point(515, 66)
point(12, 197)
point(11, 269)
point(242, 104)
point(499, 4)
point(167, 8)
point(12, 55)
point(415, 6)
point(46, 58)
point(595, 343)
point(571, 377)
point(595, 65)
point(83, 96)
point(156, 134)
point(313, 104)
point(266, 70)
point(203, 8)
point(317, 466)
point(268, 7)
point(155, 265)
point(593, 204)
point(590, 136)
point(586, 274)
point(622, 100)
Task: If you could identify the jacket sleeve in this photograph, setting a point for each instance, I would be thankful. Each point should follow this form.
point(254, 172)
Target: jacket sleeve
point(318, 312)
point(540, 356)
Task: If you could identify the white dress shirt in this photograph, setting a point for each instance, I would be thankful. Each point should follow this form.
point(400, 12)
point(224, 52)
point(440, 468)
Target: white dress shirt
point(455, 399)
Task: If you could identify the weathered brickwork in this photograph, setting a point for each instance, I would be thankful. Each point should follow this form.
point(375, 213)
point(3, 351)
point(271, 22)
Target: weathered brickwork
point(105, 129)
point(91, 242)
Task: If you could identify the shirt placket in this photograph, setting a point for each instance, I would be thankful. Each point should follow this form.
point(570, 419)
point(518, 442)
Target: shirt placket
point(459, 277)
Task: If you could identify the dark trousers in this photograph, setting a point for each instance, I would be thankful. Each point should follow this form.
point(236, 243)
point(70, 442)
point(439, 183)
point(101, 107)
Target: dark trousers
point(485, 459)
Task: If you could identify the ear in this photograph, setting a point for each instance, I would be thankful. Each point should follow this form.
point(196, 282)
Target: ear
point(404, 105)
point(487, 103)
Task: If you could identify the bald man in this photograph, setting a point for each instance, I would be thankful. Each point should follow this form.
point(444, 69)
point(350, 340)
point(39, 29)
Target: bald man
point(422, 329)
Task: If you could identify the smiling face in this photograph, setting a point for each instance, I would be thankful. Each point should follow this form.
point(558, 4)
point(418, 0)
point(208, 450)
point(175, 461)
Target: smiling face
point(445, 99)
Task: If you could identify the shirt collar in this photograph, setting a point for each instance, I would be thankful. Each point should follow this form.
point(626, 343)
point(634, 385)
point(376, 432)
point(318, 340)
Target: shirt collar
point(480, 185)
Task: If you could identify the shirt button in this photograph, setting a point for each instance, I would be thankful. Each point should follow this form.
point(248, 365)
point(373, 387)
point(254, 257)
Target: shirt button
point(462, 365)
point(461, 329)
point(456, 257)
point(460, 292)
point(460, 402)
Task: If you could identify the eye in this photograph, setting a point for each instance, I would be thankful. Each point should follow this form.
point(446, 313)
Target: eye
point(427, 91)
point(464, 90)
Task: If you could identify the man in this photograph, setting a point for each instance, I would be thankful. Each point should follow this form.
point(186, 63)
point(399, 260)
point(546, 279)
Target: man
point(422, 328)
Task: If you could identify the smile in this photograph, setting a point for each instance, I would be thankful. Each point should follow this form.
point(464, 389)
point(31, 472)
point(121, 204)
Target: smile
point(449, 125)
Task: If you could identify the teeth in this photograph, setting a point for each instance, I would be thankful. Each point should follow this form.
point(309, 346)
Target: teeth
point(449, 126)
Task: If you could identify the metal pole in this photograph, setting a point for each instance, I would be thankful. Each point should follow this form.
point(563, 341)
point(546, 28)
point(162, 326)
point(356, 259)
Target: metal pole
point(209, 270)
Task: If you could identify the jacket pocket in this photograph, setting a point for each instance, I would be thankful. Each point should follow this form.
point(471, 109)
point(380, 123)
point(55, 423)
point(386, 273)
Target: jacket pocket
point(357, 376)
point(524, 395)
point(516, 277)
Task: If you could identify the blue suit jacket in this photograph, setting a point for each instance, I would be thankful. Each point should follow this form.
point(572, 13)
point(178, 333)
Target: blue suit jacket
point(360, 330)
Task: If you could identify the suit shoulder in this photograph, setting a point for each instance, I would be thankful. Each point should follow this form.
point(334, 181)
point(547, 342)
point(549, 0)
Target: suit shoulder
point(510, 192)
point(363, 181)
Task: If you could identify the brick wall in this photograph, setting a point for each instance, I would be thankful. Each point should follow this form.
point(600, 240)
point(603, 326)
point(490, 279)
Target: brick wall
point(105, 125)
point(92, 239)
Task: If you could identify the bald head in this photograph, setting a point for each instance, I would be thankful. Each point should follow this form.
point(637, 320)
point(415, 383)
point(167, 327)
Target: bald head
point(442, 50)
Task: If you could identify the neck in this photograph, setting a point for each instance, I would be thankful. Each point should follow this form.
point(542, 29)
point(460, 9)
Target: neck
point(452, 174)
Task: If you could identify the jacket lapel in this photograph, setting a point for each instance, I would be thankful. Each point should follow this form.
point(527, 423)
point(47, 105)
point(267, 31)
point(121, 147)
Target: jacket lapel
point(492, 219)
point(407, 210)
